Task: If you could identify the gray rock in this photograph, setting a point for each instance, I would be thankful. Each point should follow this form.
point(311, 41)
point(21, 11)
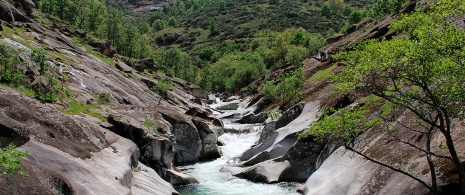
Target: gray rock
point(123, 67)
point(179, 179)
point(146, 182)
point(267, 172)
point(253, 118)
point(338, 173)
point(66, 154)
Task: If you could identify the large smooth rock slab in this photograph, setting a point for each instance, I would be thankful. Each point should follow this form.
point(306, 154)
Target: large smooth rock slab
point(267, 172)
point(345, 172)
point(147, 182)
point(280, 141)
point(67, 155)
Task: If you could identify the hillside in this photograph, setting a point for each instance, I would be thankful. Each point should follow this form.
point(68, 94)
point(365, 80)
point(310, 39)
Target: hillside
point(111, 99)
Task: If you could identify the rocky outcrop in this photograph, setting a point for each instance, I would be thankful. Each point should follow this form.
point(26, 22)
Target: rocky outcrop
point(104, 47)
point(157, 150)
point(67, 155)
point(253, 118)
point(179, 179)
point(282, 150)
point(144, 179)
point(147, 64)
point(332, 177)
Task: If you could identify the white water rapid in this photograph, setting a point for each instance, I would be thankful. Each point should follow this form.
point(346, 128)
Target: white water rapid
point(214, 182)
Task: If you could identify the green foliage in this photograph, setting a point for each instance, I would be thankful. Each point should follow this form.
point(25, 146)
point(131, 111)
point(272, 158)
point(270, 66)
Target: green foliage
point(38, 56)
point(356, 16)
point(48, 88)
point(275, 115)
point(295, 55)
point(9, 60)
point(347, 10)
point(336, 6)
point(78, 108)
point(290, 84)
point(150, 124)
point(10, 160)
point(423, 74)
point(51, 91)
point(325, 10)
point(213, 28)
point(342, 126)
point(237, 70)
point(269, 91)
point(385, 7)
point(159, 24)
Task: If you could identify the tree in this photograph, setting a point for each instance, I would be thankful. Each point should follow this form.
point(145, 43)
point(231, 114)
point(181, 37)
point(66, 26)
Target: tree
point(296, 55)
point(336, 6)
point(423, 74)
point(214, 28)
point(356, 16)
point(325, 10)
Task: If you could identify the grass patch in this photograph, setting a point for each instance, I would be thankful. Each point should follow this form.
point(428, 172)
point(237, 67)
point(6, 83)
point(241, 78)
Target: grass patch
point(151, 124)
point(78, 108)
point(21, 88)
point(322, 73)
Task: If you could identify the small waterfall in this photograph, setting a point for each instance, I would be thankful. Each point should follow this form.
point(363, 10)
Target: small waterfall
point(214, 182)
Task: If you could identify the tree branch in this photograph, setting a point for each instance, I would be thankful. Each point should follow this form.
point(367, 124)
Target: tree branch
point(390, 167)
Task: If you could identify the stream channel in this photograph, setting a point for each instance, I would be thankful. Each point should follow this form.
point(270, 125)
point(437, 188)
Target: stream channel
point(213, 182)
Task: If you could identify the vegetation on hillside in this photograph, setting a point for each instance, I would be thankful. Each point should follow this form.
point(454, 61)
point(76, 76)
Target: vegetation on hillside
point(193, 39)
point(423, 74)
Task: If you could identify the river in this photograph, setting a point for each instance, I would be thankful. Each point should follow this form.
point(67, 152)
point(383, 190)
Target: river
point(214, 182)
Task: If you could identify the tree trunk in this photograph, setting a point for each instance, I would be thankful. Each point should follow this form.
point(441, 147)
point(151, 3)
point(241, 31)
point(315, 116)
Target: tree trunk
point(455, 160)
point(445, 129)
point(432, 169)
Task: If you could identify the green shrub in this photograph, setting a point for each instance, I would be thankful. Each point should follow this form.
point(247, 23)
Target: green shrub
point(51, 90)
point(275, 115)
point(342, 126)
point(269, 91)
point(10, 160)
point(38, 56)
point(290, 84)
point(9, 73)
point(150, 124)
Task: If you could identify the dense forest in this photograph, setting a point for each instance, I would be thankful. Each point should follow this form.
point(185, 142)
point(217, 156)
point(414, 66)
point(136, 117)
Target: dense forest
point(217, 44)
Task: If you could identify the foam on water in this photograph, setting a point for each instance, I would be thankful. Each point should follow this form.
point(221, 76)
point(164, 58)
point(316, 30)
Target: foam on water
point(212, 181)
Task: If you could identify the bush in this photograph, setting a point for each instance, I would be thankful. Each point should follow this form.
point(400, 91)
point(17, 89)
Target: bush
point(38, 56)
point(269, 91)
point(150, 124)
point(274, 115)
point(290, 84)
point(10, 160)
point(356, 16)
point(295, 55)
point(50, 90)
point(9, 73)
point(325, 10)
